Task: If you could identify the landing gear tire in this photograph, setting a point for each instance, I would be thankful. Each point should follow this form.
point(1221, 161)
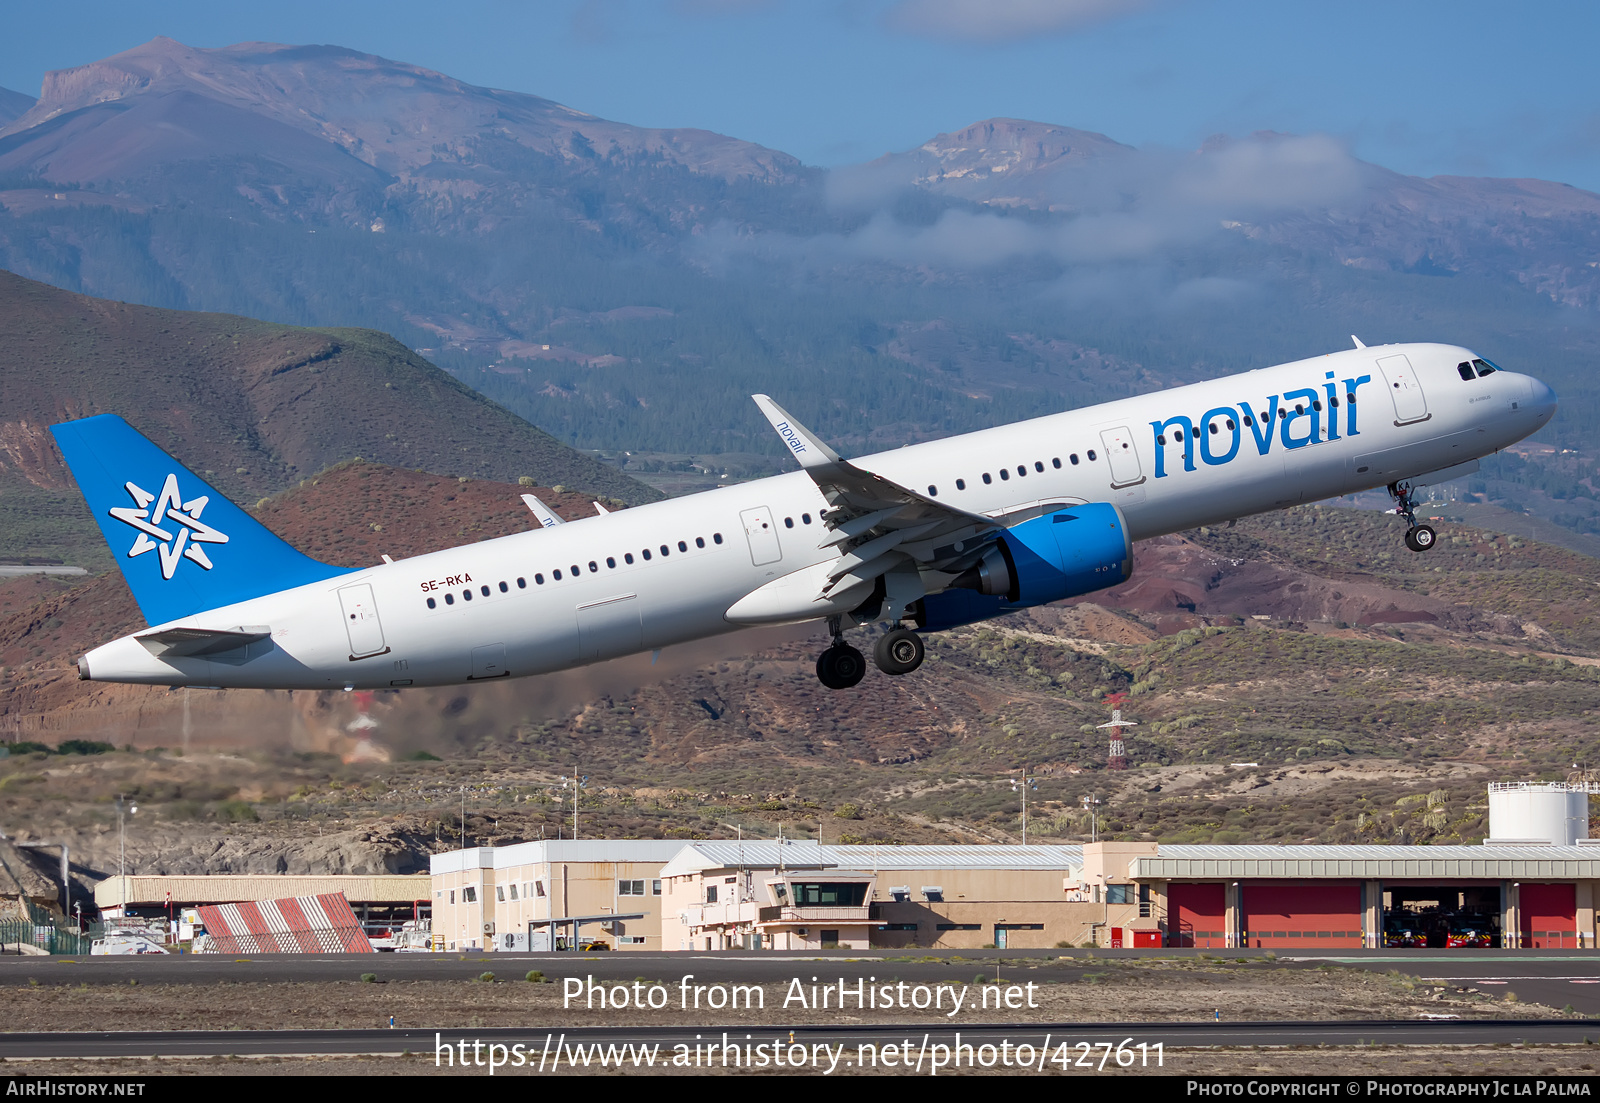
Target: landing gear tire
point(841, 666)
point(898, 652)
point(1421, 538)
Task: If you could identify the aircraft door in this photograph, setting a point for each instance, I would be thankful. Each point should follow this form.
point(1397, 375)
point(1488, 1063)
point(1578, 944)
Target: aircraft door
point(762, 535)
point(489, 661)
point(609, 627)
point(1410, 404)
point(361, 620)
point(1124, 459)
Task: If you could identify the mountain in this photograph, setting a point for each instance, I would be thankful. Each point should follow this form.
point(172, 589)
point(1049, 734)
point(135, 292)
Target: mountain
point(253, 405)
point(627, 289)
point(355, 137)
point(13, 105)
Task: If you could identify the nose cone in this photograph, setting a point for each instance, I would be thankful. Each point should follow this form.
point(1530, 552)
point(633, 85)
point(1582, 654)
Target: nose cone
point(1542, 400)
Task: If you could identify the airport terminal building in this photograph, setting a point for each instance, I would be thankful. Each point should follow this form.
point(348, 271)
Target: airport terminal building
point(1534, 884)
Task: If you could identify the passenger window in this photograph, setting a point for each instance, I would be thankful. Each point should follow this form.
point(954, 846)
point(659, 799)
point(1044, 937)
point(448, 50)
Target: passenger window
point(1212, 426)
point(627, 557)
point(575, 571)
point(538, 580)
point(805, 519)
point(1248, 420)
point(1464, 370)
point(1161, 438)
point(646, 554)
point(1334, 402)
point(432, 604)
point(933, 491)
point(683, 547)
point(986, 478)
point(594, 568)
point(504, 589)
point(1350, 398)
point(611, 562)
point(1022, 470)
point(700, 541)
point(556, 574)
point(1038, 465)
point(1317, 406)
point(1090, 454)
point(788, 522)
point(1282, 414)
point(1074, 459)
point(716, 537)
point(449, 599)
point(466, 595)
point(1177, 434)
point(485, 590)
point(1004, 474)
point(1231, 425)
point(961, 484)
point(522, 583)
point(1056, 463)
point(665, 551)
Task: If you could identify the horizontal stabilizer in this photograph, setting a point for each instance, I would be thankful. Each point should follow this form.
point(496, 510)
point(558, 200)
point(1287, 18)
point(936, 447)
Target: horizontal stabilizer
point(184, 643)
point(542, 513)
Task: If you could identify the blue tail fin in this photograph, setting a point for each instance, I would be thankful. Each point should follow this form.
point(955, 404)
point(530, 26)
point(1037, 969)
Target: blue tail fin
point(149, 508)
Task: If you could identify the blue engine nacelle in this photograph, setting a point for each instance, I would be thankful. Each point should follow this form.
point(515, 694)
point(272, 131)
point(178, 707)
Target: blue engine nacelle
point(1073, 551)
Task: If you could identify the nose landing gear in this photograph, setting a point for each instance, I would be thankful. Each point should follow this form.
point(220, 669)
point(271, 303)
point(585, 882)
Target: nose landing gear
point(1419, 538)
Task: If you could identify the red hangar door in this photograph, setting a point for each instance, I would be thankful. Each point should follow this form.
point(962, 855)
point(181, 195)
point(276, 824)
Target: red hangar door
point(1549, 916)
point(1307, 914)
point(1197, 914)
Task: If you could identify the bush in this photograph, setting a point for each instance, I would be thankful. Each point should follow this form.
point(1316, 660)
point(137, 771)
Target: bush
point(369, 978)
point(536, 977)
point(487, 978)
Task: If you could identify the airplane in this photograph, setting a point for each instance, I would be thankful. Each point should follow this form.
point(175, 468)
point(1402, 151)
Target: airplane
point(920, 539)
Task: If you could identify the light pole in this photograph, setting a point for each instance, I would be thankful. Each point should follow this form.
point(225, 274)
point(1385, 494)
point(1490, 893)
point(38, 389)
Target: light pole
point(1094, 823)
point(1026, 784)
point(124, 809)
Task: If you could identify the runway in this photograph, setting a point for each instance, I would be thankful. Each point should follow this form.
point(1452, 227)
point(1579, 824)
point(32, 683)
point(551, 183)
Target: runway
point(1101, 1038)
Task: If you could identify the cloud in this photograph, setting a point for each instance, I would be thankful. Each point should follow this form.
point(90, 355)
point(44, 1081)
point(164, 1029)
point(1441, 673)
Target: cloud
point(1004, 20)
point(1116, 225)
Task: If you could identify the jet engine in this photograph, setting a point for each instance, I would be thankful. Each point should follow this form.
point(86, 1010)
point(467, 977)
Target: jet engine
point(1060, 555)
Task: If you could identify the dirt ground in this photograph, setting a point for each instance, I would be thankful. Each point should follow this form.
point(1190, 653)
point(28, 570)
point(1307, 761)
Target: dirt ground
point(1170, 991)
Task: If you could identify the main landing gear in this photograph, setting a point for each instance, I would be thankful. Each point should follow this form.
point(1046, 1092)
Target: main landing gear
point(841, 666)
point(1419, 538)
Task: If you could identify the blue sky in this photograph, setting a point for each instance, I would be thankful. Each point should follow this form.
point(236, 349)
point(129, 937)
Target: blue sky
point(1421, 86)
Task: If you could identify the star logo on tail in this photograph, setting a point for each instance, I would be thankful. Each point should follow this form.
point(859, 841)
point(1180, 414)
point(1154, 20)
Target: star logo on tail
point(181, 540)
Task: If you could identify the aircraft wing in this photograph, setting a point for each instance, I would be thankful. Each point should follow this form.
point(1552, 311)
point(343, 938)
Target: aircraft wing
point(876, 523)
point(542, 513)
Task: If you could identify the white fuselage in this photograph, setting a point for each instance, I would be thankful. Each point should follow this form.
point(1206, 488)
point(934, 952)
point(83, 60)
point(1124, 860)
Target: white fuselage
point(568, 595)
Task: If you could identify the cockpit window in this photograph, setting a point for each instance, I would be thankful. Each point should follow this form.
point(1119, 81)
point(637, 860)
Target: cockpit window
point(1484, 367)
point(1465, 371)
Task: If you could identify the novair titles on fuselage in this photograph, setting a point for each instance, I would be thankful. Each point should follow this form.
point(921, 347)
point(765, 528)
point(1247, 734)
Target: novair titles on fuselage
point(1293, 426)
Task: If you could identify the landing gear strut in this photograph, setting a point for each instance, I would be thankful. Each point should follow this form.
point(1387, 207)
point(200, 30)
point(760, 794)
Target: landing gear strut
point(898, 652)
point(1419, 538)
point(840, 666)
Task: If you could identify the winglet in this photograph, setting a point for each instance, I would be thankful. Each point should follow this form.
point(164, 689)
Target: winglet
point(1357, 340)
point(542, 513)
point(805, 444)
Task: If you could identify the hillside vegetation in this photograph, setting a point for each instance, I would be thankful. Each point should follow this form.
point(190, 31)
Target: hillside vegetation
point(251, 405)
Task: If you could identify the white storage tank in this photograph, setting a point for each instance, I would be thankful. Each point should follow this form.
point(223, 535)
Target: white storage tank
point(1555, 813)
